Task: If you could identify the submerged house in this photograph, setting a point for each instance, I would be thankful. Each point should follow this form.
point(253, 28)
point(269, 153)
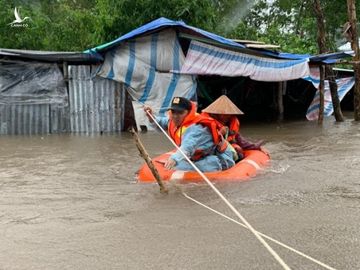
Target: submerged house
point(57, 92)
point(163, 59)
point(166, 58)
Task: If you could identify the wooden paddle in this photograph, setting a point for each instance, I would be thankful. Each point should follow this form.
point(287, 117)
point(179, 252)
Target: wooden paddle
point(148, 161)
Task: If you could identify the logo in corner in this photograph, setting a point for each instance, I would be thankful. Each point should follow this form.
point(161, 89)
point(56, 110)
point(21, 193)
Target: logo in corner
point(18, 22)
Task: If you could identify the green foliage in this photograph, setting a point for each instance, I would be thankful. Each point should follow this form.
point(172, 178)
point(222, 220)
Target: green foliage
point(81, 24)
point(125, 15)
point(292, 24)
point(52, 26)
point(76, 25)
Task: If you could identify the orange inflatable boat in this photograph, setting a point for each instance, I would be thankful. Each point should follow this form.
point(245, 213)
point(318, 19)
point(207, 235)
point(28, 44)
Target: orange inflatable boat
point(254, 160)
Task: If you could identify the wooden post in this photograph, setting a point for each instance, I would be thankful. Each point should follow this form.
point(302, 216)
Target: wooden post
point(66, 75)
point(321, 95)
point(321, 40)
point(330, 75)
point(280, 102)
point(148, 160)
point(65, 71)
point(353, 35)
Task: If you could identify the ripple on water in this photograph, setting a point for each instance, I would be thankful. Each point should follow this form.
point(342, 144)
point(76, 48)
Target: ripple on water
point(346, 192)
point(275, 168)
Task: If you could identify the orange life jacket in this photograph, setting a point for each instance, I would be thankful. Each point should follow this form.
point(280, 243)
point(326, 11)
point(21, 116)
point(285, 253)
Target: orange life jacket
point(234, 128)
point(176, 133)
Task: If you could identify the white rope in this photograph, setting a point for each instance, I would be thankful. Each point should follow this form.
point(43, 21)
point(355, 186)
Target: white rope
point(263, 235)
point(257, 235)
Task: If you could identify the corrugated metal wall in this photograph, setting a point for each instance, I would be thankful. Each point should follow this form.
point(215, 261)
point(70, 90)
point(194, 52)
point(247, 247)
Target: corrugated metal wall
point(95, 105)
point(24, 119)
point(59, 119)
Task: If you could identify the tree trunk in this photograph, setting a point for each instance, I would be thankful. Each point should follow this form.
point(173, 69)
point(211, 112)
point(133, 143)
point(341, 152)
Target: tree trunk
point(321, 39)
point(355, 46)
point(301, 9)
point(330, 75)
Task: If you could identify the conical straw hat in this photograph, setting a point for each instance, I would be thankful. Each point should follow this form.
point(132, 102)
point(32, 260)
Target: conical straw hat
point(223, 105)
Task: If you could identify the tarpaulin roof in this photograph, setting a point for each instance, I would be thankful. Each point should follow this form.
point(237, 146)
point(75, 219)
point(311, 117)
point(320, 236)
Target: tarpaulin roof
point(207, 59)
point(330, 58)
point(48, 56)
point(162, 23)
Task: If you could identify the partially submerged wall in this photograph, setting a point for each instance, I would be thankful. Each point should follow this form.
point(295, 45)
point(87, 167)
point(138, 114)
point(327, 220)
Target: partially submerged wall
point(95, 105)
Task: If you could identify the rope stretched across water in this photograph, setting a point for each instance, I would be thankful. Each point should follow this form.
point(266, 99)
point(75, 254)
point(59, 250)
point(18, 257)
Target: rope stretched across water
point(263, 235)
point(237, 213)
point(243, 225)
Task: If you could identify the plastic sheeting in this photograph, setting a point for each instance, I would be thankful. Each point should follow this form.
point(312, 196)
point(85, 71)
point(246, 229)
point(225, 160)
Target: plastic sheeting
point(344, 86)
point(144, 65)
point(182, 27)
point(31, 83)
point(205, 59)
point(314, 76)
point(161, 23)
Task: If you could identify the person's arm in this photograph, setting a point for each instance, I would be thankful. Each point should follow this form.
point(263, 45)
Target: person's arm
point(162, 120)
point(194, 136)
point(247, 145)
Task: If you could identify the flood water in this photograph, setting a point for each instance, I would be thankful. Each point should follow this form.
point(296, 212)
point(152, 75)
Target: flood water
point(71, 202)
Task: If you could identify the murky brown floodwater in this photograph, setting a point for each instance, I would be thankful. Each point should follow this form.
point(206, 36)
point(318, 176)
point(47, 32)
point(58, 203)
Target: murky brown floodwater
point(70, 202)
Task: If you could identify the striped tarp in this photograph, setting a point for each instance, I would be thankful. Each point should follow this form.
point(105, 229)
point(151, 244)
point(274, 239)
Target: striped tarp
point(145, 65)
point(344, 86)
point(205, 59)
point(314, 76)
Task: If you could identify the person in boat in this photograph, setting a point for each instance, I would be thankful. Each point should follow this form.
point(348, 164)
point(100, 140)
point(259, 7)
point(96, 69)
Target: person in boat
point(226, 113)
point(196, 135)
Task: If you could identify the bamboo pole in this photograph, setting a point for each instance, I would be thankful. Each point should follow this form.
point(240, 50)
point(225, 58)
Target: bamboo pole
point(148, 161)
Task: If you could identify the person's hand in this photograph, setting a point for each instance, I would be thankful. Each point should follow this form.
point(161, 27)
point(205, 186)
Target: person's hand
point(238, 149)
point(148, 110)
point(264, 151)
point(170, 164)
point(223, 131)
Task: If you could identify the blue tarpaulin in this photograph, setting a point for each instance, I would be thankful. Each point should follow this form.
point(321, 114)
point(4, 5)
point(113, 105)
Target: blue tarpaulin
point(160, 24)
point(181, 26)
point(151, 62)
